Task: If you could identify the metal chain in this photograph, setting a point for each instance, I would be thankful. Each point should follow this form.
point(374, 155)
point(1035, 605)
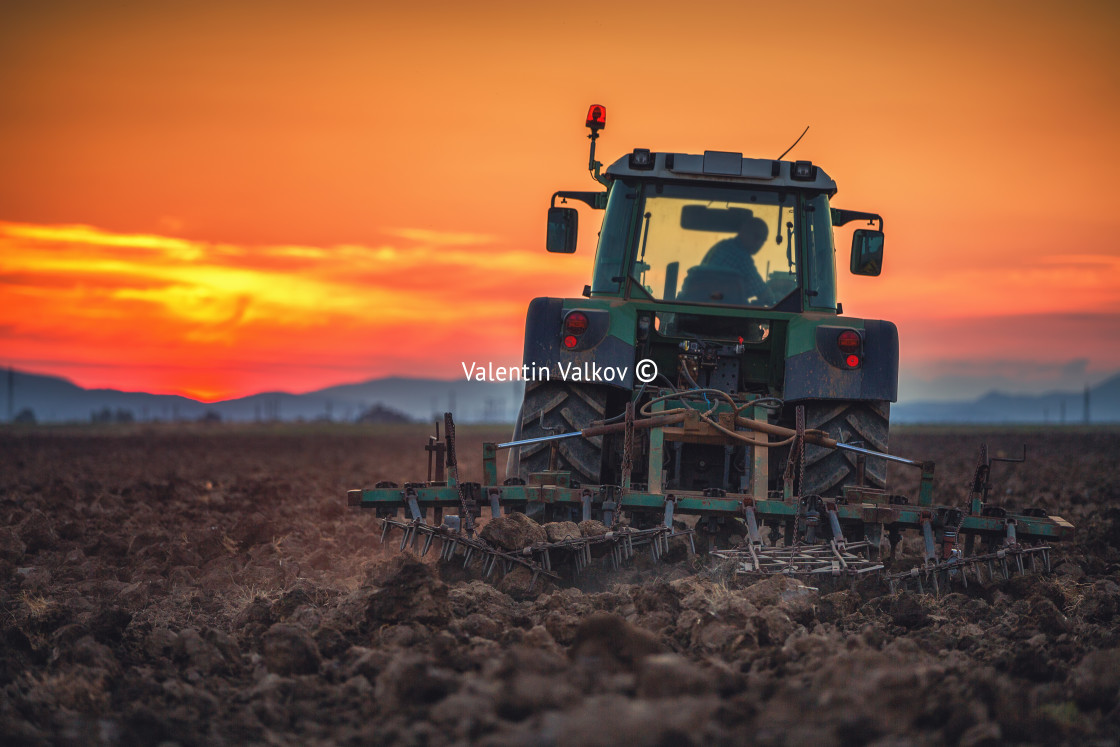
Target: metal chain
point(796, 459)
point(801, 447)
point(628, 445)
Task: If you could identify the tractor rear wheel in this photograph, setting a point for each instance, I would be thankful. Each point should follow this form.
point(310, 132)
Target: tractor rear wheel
point(827, 471)
point(551, 408)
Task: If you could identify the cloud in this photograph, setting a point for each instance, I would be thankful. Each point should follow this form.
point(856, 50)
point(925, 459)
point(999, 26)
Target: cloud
point(441, 238)
point(149, 302)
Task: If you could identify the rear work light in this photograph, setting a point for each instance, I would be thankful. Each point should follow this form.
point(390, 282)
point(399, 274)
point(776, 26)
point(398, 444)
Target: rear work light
point(575, 323)
point(803, 171)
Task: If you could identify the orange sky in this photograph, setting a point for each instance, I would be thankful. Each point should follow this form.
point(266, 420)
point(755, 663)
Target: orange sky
point(222, 198)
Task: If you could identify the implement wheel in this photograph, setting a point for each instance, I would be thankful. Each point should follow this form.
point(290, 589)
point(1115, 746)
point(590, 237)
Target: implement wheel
point(827, 471)
point(565, 407)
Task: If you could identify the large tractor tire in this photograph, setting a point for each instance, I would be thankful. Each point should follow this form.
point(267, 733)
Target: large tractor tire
point(827, 471)
point(564, 407)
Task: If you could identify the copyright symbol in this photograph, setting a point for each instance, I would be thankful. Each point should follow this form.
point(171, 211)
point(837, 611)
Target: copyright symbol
point(645, 371)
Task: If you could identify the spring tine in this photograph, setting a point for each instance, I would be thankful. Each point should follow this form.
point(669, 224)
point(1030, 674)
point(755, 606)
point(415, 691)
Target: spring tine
point(404, 539)
point(427, 544)
point(467, 556)
point(1019, 562)
point(691, 545)
point(488, 566)
point(546, 560)
point(385, 527)
point(533, 582)
point(1046, 559)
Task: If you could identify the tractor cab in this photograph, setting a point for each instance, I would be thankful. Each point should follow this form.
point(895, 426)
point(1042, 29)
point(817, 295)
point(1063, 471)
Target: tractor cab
point(715, 229)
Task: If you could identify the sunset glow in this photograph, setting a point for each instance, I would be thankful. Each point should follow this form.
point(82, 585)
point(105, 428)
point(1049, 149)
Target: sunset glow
point(217, 199)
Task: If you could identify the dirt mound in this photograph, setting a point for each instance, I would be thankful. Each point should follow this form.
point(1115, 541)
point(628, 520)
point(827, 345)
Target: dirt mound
point(559, 531)
point(514, 531)
point(592, 528)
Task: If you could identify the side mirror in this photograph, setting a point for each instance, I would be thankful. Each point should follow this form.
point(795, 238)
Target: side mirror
point(563, 225)
point(867, 252)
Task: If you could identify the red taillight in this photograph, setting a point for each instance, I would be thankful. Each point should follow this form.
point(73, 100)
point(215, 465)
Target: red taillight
point(848, 341)
point(575, 323)
point(852, 361)
point(570, 341)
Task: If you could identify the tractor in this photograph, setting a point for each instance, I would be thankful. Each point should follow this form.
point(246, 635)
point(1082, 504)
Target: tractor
point(708, 373)
point(721, 270)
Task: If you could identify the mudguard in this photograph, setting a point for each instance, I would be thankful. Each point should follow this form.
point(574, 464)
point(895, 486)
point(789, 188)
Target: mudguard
point(544, 345)
point(815, 369)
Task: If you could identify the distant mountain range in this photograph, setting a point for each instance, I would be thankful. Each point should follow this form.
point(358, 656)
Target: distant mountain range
point(996, 407)
point(53, 400)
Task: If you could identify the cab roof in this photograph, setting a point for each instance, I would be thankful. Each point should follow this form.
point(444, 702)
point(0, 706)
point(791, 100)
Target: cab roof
point(722, 166)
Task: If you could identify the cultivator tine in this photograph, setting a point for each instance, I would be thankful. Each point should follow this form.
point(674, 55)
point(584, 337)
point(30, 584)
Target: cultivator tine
point(385, 527)
point(998, 563)
point(752, 525)
point(428, 538)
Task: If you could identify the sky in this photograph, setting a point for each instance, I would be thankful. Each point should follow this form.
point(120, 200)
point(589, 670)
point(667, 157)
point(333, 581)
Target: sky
point(220, 198)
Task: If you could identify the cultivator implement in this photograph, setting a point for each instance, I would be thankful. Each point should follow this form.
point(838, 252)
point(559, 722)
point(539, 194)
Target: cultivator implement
point(832, 560)
point(762, 532)
point(577, 553)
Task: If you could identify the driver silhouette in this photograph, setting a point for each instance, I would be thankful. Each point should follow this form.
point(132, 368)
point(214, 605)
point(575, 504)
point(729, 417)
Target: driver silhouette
point(736, 255)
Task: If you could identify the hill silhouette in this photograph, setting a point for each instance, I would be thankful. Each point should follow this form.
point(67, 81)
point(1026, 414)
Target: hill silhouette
point(53, 400)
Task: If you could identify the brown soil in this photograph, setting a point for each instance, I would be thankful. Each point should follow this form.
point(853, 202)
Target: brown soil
point(209, 586)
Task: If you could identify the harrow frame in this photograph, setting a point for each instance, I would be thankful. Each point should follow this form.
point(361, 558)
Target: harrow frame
point(820, 535)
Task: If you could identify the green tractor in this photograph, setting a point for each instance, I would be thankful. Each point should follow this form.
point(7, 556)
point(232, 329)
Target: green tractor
point(712, 271)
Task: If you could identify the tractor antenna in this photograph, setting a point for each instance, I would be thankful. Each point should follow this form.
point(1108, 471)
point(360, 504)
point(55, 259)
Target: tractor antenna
point(795, 142)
